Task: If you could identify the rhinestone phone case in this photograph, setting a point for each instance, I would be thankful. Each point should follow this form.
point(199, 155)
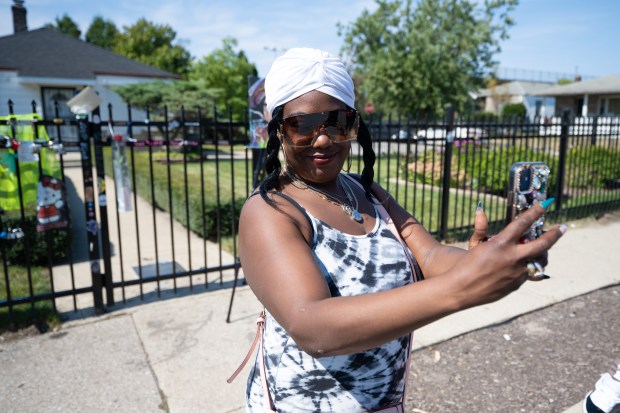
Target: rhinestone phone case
point(528, 184)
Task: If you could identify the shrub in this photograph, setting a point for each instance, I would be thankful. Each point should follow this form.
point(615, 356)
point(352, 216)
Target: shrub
point(516, 110)
point(590, 167)
point(477, 167)
point(484, 117)
point(59, 242)
point(217, 206)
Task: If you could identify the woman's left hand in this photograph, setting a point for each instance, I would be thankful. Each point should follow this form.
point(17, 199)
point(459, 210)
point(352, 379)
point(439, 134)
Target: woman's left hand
point(480, 235)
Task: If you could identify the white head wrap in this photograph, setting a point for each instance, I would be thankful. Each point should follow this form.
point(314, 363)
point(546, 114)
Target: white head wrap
point(301, 70)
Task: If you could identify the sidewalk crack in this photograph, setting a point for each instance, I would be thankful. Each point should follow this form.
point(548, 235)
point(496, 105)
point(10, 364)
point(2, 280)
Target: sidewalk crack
point(164, 399)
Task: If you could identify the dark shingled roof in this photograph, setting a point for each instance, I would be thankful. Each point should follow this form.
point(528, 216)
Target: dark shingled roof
point(48, 53)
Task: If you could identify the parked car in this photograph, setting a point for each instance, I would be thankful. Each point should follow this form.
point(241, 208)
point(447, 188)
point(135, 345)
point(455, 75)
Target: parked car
point(402, 135)
point(460, 132)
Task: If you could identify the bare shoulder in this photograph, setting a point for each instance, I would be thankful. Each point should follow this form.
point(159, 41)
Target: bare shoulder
point(278, 216)
point(258, 208)
point(274, 240)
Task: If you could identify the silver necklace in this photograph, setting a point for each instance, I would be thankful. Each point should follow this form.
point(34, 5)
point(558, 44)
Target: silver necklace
point(346, 205)
point(354, 214)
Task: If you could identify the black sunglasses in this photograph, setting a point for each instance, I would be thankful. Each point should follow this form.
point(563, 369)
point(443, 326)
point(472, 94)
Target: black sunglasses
point(339, 125)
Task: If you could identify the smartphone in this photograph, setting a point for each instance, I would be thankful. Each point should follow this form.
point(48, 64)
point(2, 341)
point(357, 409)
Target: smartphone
point(528, 183)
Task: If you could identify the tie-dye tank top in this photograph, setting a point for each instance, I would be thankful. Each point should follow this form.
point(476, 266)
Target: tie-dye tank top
point(359, 382)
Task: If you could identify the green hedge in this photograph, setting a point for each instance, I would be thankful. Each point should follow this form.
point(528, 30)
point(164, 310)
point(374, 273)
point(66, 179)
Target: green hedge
point(59, 241)
point(477, 167)
point(213, 210)
point(589, 168)
point(517, 110)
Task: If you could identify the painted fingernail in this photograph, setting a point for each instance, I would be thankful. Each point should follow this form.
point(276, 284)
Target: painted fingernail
point(479, 206)
point(563, 228)
point(545, 277)
point(546, 203)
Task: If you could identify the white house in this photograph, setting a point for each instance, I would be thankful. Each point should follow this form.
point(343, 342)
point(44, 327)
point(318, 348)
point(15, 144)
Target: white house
point(46, 66)
point(600, 96)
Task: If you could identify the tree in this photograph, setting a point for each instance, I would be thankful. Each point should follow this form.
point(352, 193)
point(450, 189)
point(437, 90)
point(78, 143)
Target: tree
point(220, 79)
point(153, 44)
point(154, 95)
point(102, 33)
point(167, 98)
point(66, 25)
point(226, 71)
point(410, 57)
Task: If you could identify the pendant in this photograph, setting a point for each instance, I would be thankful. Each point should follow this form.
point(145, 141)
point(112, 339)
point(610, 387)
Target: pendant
point(357, 216)
point(353, 213)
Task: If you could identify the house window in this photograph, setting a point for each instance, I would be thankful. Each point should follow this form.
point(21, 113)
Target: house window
point(614, 106)
point(53, 97)
point(538, 109)
point(578, 107)
point(601, 107)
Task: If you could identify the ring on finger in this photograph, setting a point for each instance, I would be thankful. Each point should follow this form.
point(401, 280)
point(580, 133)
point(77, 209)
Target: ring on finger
point(535, 271)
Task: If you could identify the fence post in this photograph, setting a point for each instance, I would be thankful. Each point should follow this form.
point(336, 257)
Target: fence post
point(103, 208)
point(594, 131)
point(562, 161)
point(447, 171)
point(90, 212)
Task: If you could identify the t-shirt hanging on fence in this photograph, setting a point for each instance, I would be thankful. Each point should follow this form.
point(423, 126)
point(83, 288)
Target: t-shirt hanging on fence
point(51, 204)
point(23, 131)
point(121, 174)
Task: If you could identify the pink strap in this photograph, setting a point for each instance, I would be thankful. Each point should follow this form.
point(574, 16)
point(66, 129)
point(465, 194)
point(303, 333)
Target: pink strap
point(260, 321)
point(263, 379)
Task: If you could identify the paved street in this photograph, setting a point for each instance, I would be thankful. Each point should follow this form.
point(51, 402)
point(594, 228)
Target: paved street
point(543, 362)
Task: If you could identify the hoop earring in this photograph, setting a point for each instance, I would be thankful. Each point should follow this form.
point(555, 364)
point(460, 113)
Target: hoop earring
point(349, 159)
point(280, 138)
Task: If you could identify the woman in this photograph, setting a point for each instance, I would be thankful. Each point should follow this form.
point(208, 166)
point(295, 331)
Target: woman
point(335, 282)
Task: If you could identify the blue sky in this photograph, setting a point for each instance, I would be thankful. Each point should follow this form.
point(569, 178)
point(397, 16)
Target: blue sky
point(565, 36)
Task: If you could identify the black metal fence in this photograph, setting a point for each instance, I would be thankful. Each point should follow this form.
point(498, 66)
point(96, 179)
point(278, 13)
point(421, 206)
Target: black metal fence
point(152, 203)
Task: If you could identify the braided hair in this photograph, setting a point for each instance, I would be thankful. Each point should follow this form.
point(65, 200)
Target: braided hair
point(274, 168)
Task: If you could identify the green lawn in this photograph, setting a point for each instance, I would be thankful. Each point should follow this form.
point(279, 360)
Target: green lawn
point(42, 315)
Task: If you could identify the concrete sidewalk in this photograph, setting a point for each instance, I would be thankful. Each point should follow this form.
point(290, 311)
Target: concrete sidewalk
point(175, 355)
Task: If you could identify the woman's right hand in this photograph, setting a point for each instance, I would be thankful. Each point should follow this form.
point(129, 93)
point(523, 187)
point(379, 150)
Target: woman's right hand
point(498, 266)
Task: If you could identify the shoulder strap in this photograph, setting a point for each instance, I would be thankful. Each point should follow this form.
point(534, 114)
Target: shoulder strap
point(263, 378)
point(260, 322)
point(258, 339)
point(294, 203)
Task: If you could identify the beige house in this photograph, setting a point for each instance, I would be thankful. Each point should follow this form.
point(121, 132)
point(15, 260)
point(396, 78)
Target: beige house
point(600, 96)
point(495, 98)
